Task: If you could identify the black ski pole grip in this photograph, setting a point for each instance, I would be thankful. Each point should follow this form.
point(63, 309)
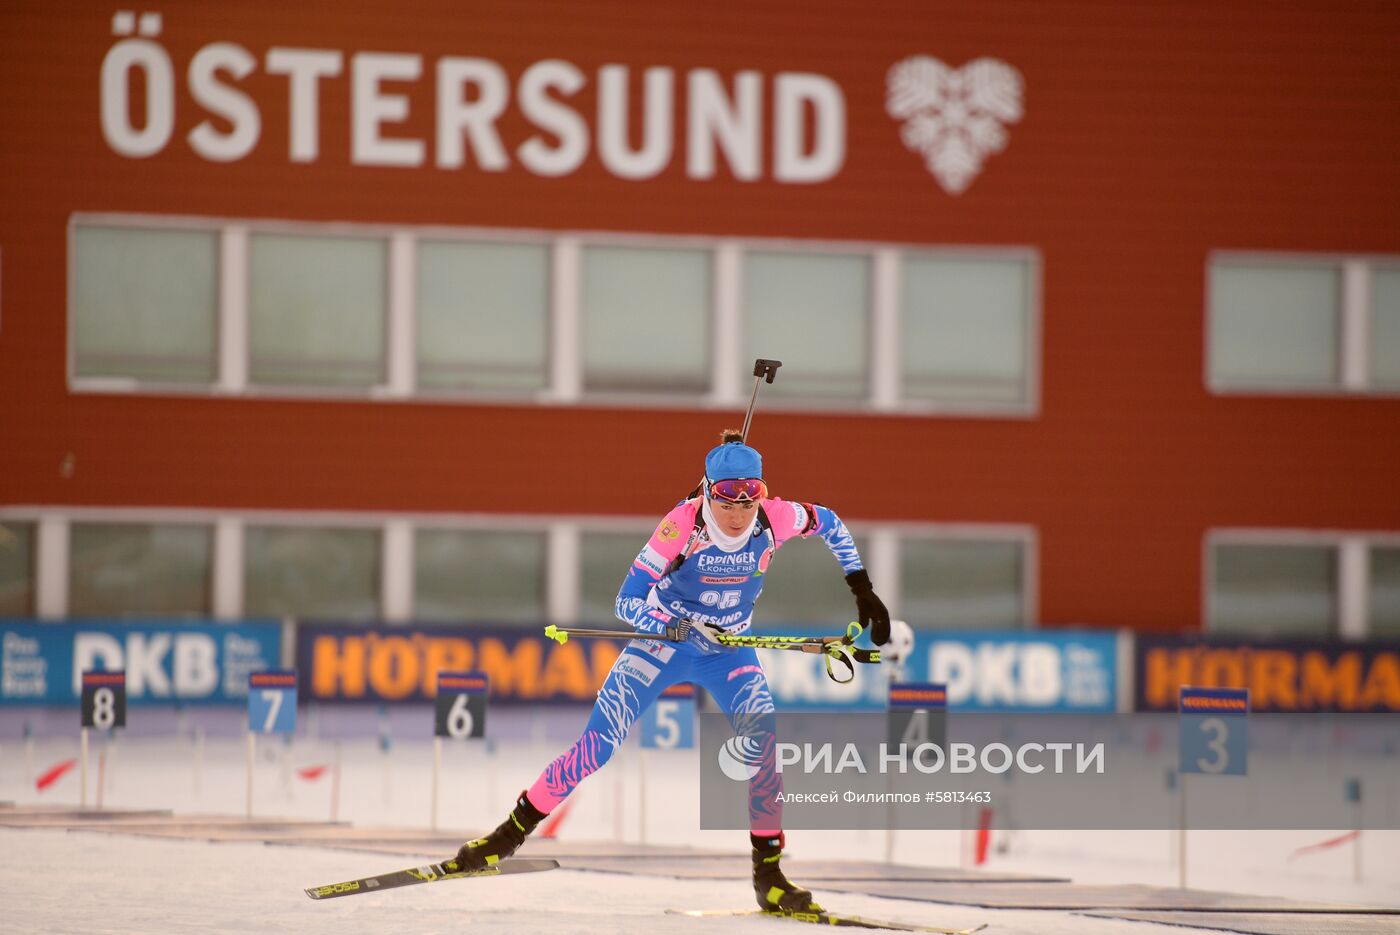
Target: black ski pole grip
point(767, 369)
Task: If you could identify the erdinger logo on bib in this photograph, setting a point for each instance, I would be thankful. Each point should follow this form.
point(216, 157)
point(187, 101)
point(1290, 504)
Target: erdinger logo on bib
point(741, 562)
point(954, 117)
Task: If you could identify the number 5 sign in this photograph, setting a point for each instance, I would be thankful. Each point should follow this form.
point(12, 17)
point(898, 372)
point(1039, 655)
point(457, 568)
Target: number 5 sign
point(669, 724)
point(461, 705)
point(1215, 731)
point(272, 702)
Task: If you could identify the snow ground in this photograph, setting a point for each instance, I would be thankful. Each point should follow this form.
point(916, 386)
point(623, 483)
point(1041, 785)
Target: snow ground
point(136, 885)
point(130, 884)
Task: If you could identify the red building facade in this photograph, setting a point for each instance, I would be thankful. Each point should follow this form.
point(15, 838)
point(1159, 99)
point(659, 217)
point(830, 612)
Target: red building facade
point(1143, 141)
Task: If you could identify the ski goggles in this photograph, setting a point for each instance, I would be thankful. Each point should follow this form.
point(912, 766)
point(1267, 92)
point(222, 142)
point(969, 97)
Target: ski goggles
point(740, 490)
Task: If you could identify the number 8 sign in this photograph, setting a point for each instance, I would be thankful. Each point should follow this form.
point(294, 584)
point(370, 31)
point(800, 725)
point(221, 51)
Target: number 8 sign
point(104, 700)
point(461, 705)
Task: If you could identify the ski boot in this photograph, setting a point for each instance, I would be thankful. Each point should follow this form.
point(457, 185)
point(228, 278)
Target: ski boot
point(499, 844)
point(772, 889)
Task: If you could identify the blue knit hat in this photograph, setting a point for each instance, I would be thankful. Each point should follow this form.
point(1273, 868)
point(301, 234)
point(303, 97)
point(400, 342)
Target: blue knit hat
point(732, 461)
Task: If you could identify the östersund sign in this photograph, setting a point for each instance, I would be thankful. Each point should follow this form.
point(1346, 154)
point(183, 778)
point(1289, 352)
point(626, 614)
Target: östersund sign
point(724, 118)
point(786, 126)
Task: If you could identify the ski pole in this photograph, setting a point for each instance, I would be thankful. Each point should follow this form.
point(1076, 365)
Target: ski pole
point(840, 648)
point(763, 369)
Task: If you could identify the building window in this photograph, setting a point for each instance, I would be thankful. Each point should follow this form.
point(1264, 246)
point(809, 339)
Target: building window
point(316, 310)
point(483, 316)
point(486, 575)
point(277, 308)
point(136, 568)
point(963, 583)
point(813, 311)
point(1384, 596)
point(806, 585)
point(144, 304)
point(1323, 325)
point(1385, 328)
point(1262, 590)
point(305, 572)
point(16, 568)
point(605, 559)
point(646, 318)
point(1274, 325)
point(965, 329)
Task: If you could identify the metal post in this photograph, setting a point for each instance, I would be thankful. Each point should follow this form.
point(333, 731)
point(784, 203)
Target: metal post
point(101, 775)
point(642, 797)
point(335, 785)
point(82, 765)
point(252, 751)
point(198, 761)
point(437, 768)
point(1181, 849)
point(1353, 791)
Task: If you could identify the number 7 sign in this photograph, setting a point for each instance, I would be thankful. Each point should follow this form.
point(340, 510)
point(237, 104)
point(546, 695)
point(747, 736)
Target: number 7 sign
point(272, 702)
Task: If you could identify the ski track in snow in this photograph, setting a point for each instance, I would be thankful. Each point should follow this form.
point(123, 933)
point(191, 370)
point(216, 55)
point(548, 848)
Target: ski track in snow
point(112, 884)
point(90, 882)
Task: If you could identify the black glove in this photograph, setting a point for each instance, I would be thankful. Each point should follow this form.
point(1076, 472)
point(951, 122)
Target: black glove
point(869, 609)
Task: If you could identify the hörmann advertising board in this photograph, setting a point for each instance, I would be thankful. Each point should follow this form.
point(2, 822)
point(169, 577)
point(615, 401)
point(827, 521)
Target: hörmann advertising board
point(1284, 676)
point(401, 663)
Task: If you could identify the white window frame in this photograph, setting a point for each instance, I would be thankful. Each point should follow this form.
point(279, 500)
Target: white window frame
point(1355, 272)
point(224, 295)
point(729, 374)
point(890, 331)
point(562, 289)
point(1353, 569)
point(1026, 535)
point(717, 347)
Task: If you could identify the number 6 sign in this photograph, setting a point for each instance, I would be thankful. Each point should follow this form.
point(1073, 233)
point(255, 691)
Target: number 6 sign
point(461, 705)
point(461, 713)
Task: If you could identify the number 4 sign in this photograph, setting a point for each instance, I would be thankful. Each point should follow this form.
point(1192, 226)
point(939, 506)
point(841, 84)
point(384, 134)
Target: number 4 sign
point(1215, 731)
point(272, 702)
point(461, 705)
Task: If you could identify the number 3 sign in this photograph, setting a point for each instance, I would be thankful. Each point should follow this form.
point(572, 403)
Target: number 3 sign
point(461, 705)
point(1214, 731)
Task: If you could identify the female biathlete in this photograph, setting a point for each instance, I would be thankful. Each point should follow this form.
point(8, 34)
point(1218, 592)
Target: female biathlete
point(704, 564)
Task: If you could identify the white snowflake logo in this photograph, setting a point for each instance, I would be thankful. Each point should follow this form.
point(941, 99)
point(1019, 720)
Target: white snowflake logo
point(955, 118)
